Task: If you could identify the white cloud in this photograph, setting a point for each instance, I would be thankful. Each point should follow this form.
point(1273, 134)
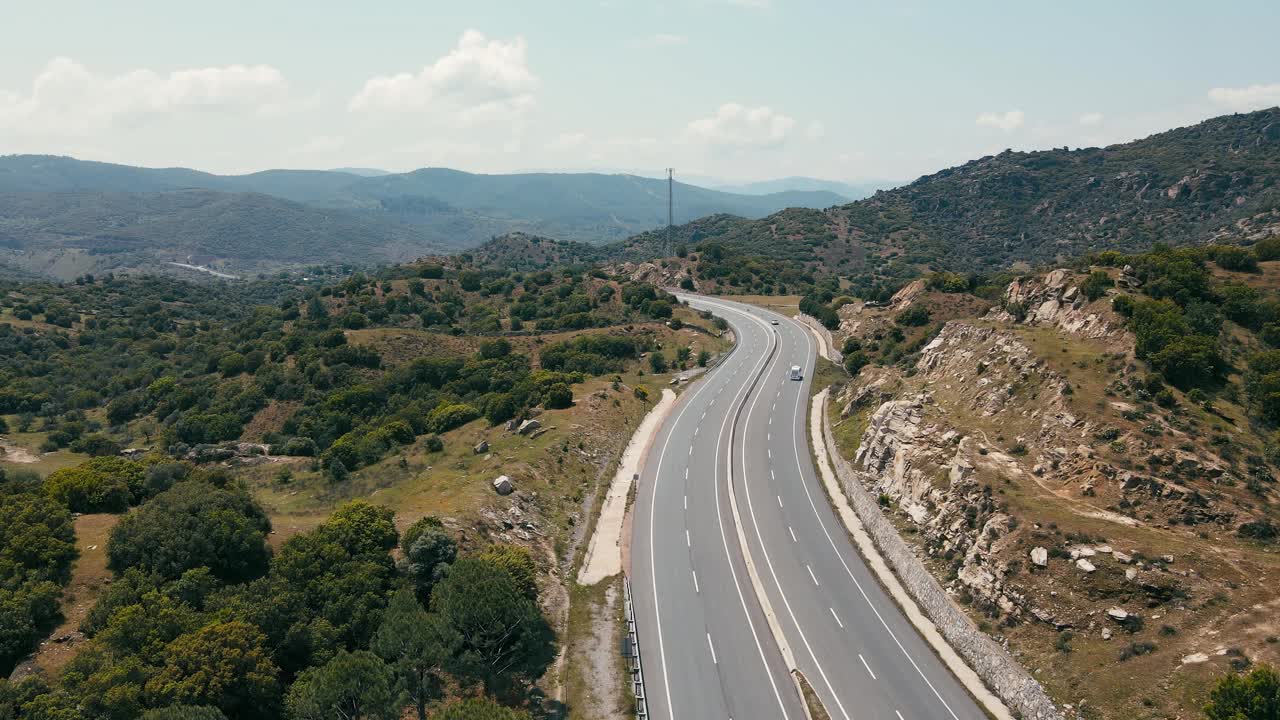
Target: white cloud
point(479, 77)
point(736, 125)
point(66, 97)
point(1244, 99)
point(815, 130)
point(1091, 119)
point(750, 3)
point(1006, 121)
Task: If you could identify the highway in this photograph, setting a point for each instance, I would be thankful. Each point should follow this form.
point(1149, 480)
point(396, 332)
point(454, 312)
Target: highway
point(730, 471)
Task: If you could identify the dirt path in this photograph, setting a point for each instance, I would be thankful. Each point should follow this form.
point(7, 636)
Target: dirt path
point(604, 553)
point(16, 454)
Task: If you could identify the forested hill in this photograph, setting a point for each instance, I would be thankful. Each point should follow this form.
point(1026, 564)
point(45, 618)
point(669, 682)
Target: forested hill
point(1216, 180)
point(63, 217)
point(521, 251)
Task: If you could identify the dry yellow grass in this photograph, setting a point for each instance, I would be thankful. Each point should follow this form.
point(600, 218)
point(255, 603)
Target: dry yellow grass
point(88, 578)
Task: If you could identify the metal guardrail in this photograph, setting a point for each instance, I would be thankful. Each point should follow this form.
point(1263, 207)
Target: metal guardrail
point(632, 653)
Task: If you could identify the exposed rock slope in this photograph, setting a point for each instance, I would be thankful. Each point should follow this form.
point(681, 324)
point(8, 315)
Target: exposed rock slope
point(1083, 524)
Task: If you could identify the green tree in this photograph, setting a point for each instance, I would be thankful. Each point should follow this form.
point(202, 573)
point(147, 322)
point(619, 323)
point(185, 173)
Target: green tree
point(429, 550)
point(657, 363)
point(855, 361)
point(194, 524)
point(1096, 285)
point(912, 316)
point(558, 396)
point(231, 364)
point(418, 645)
point(506, 641)
point(493, 349)
point(223, 665)
point(351, 686)
point(519, 564)
point(103, 484)
point(361, 527)
point(1255, 696)
point(37, 539)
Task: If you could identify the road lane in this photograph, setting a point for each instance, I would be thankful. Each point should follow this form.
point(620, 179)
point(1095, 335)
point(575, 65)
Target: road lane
point(714, 656)
point(708, 649)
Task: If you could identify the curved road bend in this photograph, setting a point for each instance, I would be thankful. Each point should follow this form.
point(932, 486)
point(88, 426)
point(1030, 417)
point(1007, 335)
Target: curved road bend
point(707, 648)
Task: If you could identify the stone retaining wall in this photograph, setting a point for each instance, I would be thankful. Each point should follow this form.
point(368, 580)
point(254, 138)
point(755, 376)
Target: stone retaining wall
point(835, 355)
point(1004, 675)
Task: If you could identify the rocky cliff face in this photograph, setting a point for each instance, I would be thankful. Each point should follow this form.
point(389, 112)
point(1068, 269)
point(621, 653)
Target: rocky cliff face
point(1055, 300)
point(1024, 458)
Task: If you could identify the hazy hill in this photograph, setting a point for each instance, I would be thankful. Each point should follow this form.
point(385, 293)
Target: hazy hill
point(850, 191)
point(1214, 180)
point(359, 216)
point(239, 231)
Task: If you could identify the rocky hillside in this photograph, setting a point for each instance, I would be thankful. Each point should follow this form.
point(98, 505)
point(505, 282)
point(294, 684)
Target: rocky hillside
point(1112, 530)
point(1212, 181)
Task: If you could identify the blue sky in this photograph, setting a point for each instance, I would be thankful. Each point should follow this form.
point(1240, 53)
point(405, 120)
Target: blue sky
point(733, 89)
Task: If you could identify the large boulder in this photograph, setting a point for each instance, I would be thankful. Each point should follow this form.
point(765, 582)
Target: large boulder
point(528, 426)
point(1040, 556)
point(502, 485)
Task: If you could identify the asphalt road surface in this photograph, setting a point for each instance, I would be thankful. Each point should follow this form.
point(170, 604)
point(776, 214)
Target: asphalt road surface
point(706, 645)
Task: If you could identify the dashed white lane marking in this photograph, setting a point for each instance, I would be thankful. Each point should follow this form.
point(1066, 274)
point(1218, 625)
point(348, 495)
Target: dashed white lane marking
point(687, 541)
point(895, 712)
point(713, 650)
point(690, 449)
point(768, 451)
point(686, 502)
point(767, 436)
point(837, 617)
point(815, 577)
point(779, 501)
point(686, 473)
point(868, 667)
point(695, 581)
point(793, 534)
point(704, 415)
point(695, 431)
point(771, 475)
point(770, 419)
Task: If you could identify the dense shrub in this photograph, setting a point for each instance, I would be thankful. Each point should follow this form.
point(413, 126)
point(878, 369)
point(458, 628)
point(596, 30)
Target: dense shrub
point(194, 524)
point(105, 484)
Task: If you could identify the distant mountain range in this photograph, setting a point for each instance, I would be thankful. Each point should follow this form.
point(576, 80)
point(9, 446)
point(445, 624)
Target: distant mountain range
point(122, 216)
point(851, 191)
point(1218, 180)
